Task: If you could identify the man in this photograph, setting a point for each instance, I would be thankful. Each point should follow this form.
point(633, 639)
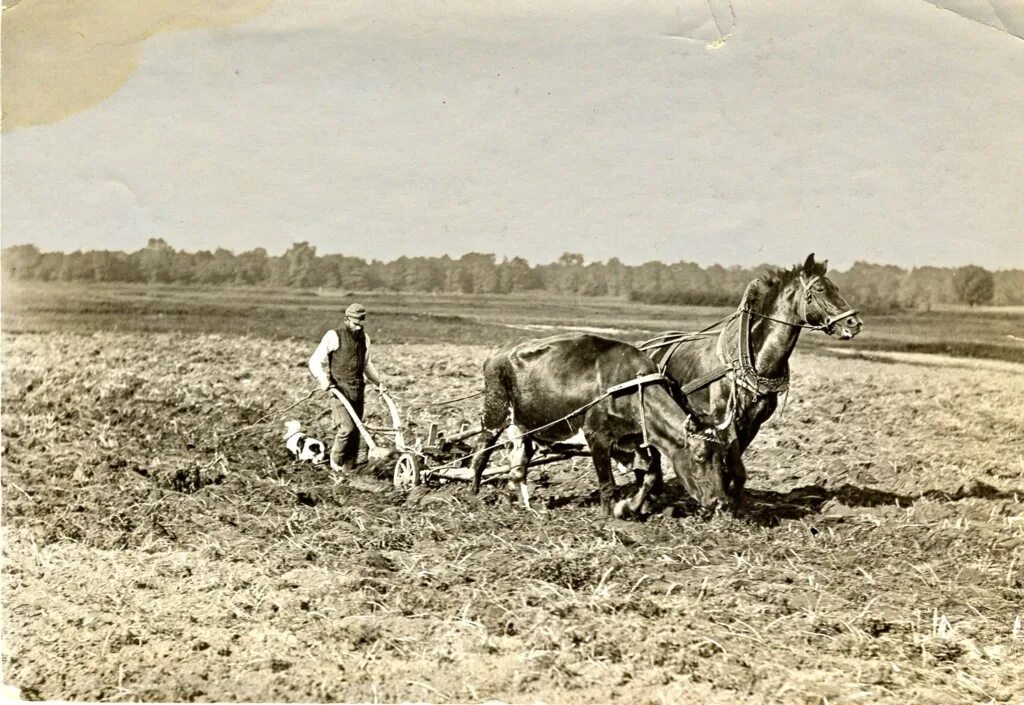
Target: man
point(342, 360)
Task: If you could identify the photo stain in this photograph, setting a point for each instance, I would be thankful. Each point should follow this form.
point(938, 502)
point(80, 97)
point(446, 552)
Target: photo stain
point(59, 59)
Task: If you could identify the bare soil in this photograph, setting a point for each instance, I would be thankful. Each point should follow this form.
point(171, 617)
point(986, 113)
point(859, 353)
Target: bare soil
point(150, 555)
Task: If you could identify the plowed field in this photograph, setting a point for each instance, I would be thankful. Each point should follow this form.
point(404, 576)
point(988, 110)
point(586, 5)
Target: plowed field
point(149, 554)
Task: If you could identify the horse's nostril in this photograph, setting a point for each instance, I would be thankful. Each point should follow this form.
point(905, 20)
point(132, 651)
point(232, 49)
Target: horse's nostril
point(852, 322)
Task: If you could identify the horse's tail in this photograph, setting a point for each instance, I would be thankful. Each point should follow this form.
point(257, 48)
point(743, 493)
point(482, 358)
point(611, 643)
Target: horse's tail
point(497, 412)
point(483, 455)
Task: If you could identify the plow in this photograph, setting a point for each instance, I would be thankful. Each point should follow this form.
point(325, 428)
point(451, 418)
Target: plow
point(440, 455)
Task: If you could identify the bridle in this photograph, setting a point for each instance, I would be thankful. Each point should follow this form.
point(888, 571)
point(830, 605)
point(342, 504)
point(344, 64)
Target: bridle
point(805, 301)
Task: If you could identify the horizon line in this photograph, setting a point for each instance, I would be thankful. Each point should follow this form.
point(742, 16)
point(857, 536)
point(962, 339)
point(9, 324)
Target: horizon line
point(500, 257)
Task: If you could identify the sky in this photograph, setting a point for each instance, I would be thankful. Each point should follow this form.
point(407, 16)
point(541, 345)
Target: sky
point(736, 133)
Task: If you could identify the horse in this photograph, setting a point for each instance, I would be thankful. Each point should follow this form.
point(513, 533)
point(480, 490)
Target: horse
point(553, 389)
point(735, 377)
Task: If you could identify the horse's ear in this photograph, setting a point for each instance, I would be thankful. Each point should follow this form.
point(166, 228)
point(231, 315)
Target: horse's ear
point(809, 263)
point(824, 266)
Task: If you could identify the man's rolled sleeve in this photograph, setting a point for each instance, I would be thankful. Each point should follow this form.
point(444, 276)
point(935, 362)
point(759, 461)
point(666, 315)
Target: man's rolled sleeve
point(370, 371)
point(320, 361)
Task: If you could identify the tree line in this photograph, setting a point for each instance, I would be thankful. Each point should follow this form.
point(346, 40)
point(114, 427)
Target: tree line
point(871, 286)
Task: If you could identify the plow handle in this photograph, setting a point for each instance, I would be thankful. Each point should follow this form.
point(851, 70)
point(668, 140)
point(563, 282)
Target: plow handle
point(396, 422)
point(352, 412)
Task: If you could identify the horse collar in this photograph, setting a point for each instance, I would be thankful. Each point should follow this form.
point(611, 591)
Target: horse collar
point(744, 372)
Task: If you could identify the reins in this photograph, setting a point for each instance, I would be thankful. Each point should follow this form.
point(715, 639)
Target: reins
point(640, 382)
point(668, 338)
point(274, 415)
point(445, 402)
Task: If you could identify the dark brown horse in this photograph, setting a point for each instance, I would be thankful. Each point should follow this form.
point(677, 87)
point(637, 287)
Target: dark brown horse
point(548, 391)
point(736, 376)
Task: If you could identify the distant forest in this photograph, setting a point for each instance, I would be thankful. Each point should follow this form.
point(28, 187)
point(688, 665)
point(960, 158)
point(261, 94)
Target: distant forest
point(868, 286)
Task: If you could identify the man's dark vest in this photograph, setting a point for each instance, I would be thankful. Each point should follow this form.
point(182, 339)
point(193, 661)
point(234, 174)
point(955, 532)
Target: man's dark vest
point(348, 362)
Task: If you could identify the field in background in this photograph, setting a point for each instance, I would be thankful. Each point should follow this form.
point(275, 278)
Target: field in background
point(160, 546)
point(484, 320)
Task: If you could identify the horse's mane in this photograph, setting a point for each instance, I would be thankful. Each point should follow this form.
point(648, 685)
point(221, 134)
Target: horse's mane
point(763, 291)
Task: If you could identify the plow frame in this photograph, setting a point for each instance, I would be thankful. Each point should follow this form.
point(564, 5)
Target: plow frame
point(415, 463)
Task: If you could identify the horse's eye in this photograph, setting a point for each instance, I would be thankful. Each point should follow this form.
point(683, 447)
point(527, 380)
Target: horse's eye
point(700, 454)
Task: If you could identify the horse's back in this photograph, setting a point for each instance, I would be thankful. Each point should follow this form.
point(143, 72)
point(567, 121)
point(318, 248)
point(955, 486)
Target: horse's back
point(572, 358)
point(550, 377)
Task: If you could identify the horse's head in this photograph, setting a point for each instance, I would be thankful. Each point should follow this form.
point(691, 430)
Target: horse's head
point(821, 305)
point(701, 463)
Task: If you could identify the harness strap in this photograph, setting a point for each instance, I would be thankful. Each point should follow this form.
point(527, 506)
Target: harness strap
point(704, 380)
point(663, 365)
point(666, 339)
point(652, 378)
point(730, 412)
point(645, 443)
point(806, 284)
point(640, 382)
point(744, 344)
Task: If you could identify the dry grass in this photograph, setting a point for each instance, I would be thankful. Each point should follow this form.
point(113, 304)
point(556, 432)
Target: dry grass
point(148, 555)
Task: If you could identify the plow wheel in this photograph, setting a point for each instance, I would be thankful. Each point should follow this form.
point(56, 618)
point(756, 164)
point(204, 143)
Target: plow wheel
point(407, 471)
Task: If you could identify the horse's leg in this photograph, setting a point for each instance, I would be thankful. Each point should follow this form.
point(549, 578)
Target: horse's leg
point(529, 447)
point(747, 428)
point(737, 474)
point(631, 461)
point(600, 453)
point(649, 479)
point(519, 459)
point(657, 485)
point(638, 475)
point(650, 460)
point(756, 415)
